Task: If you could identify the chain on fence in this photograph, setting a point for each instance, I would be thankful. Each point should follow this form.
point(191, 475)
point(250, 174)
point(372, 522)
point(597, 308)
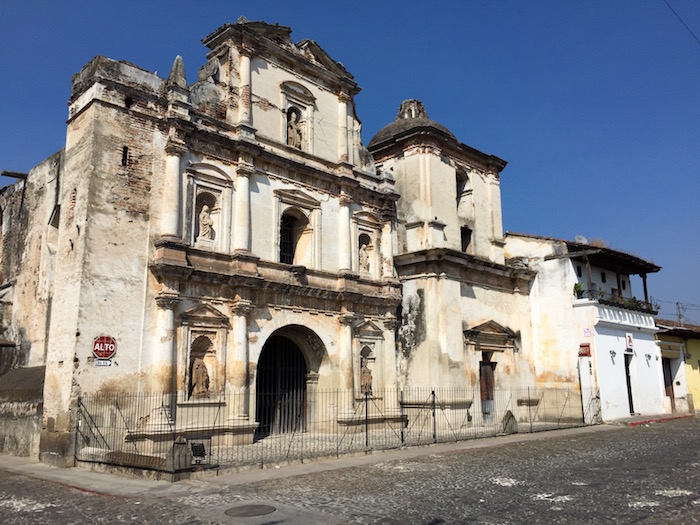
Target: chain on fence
point(168, 433)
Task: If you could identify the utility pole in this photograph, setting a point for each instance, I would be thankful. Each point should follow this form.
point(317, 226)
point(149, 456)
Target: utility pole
point(680, 315)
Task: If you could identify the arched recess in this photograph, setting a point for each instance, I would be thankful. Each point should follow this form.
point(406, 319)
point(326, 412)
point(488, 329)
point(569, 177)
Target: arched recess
point(464, 194)
point(367, 256)
point(294, 237)
point(298, 123)
point(208, 207)
point(285, 381)
point(298, 218)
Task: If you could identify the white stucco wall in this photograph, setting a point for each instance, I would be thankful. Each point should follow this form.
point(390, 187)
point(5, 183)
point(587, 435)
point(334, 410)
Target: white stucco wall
point(449, 306)
point(645, 369)
point(561, 323)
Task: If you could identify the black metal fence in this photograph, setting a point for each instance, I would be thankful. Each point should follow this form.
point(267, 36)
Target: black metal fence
point(166, 433)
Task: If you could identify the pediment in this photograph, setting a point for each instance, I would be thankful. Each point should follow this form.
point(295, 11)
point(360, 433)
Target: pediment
point(205, 314)
point(206, 170)
point(296, 90)
point(368, 329)
point(491, 337)
point(297, 198)
point(318, 55)
point(491, 327)
point(367, 218)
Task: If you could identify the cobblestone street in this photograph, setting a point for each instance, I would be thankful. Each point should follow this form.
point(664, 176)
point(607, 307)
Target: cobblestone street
point(648, 474)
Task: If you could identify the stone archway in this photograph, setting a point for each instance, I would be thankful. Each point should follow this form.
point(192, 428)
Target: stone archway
point(289, 359)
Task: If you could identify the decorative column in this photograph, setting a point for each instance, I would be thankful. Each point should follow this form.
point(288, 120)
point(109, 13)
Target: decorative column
point(244, 103)
point(387, 247)
point(237, 367)
point(347, 360)
point(388, 357)
point(170, 202)
point(241, 226)
point(426, 195)
point(164, 357)
point(343, 99)
point(496, 217)
point(344, 237)
point(312, 397)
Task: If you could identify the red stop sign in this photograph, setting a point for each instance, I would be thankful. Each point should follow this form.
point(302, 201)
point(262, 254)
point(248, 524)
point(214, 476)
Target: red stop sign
point(104, 347)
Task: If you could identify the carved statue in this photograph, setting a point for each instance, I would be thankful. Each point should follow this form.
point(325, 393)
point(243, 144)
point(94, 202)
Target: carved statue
point(365, 378)
point(205, 223)
point(295, 135)
point(199, 381)
point(407, 332)
point(364, 258)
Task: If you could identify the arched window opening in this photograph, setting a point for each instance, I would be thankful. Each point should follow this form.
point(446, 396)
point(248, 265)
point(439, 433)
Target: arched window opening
point(292, 227)
point(52, 233)
point(466, 237)
point(463, 187)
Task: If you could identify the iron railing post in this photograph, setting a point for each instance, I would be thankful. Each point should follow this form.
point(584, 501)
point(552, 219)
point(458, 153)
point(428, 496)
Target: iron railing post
point(402, 417)
point(434, 417)
point(529, 408)
point(366, 420)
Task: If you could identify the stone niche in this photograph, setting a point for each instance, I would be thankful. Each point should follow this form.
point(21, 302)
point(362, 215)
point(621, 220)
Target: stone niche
point(202, 354)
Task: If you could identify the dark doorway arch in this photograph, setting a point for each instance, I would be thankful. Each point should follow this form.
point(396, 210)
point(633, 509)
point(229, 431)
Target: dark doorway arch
point(280, 388)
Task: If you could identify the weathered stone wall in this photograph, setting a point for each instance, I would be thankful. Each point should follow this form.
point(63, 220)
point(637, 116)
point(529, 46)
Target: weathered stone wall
point(436, 311)
point(127, 157)
point(28, 256)
point(556, 329)
point(21, 407)
point(102, 243)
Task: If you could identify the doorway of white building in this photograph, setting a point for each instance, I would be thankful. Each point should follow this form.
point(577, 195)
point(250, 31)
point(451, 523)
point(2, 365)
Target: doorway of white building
point(668, 382)
point(628, 378)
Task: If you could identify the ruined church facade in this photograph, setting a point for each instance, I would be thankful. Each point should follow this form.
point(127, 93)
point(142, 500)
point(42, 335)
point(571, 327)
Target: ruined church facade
point(213, 230)
point(233, 237)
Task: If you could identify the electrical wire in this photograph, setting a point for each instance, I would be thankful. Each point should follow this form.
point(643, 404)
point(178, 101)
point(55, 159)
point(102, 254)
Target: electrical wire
point(682, 22)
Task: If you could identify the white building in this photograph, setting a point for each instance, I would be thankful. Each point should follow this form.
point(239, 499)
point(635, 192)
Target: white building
point(589, 327)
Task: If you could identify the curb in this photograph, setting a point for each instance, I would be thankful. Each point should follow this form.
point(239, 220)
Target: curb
point(658, 420)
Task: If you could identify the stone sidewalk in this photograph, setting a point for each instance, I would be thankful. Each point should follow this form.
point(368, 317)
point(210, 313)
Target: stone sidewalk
point(127, 484)
point(320, 492)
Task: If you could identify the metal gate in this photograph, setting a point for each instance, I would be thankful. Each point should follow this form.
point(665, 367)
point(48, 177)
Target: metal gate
point(280, 388)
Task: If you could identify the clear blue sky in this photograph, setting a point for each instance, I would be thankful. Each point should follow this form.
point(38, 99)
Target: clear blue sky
point(596, 104)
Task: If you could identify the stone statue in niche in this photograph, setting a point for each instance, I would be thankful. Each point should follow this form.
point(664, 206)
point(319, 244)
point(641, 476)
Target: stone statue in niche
point(407, 332)
point(205, 223)
point(365, 378)
point(295, 134)
point(364, 258)
point(199, 379)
